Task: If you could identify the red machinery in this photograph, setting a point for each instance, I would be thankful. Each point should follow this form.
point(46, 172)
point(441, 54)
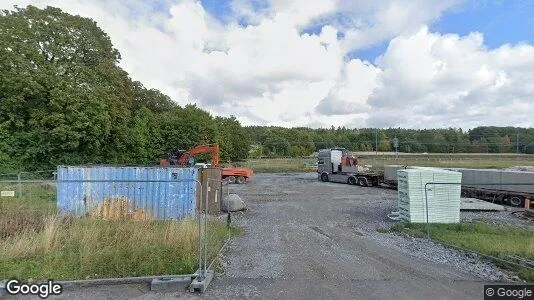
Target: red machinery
point(181, 158)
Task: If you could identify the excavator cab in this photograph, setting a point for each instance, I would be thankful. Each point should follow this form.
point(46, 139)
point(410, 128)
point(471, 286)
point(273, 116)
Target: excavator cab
point(172, 158)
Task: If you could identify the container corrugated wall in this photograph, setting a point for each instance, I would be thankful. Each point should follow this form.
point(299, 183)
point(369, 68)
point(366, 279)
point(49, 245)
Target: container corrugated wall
point(161, 193)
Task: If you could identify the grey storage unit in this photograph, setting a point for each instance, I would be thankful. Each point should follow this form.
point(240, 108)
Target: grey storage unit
point(390, 172)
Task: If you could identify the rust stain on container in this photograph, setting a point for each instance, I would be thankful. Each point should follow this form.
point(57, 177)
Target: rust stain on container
point(119, 208)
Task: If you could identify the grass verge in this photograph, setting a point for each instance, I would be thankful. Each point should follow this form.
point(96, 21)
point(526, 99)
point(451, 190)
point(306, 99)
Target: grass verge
point(73, 248)
point(499, 241)
point(280, 165)
point(476, 161)
point(36, 244)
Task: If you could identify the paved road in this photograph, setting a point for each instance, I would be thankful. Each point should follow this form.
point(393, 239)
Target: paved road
point(306, 239)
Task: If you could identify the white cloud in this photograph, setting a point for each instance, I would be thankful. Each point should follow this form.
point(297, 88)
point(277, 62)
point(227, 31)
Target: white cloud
point(271, 73)
point(366, 23)
point(434, 80)
point(349, 96)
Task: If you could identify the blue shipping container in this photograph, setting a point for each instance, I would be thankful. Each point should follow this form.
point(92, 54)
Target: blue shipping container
point(161, 193)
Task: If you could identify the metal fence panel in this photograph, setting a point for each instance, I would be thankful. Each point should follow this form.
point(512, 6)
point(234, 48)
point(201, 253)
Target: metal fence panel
point(156, 192)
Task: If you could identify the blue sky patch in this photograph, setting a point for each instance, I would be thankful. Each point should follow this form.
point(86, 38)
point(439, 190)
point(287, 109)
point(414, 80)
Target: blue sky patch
point(219, 9)
point(501, 21)
point(370, 53)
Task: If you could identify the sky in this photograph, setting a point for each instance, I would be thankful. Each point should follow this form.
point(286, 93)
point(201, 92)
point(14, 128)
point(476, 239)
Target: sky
point(322, 63)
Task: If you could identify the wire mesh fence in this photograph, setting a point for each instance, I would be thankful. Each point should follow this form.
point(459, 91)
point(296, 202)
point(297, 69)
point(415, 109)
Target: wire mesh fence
point(25, 204)
point(45, 179)
point(213, 227)
point(107, 228)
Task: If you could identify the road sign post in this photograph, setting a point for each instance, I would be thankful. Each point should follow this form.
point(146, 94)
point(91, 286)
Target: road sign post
point(396, 146)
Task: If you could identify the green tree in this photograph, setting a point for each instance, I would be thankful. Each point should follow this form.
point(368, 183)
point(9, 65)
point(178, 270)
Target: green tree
point(233, 139)
point(276, 145)
point(65, 100)
point(58, 87)
point(185, 128)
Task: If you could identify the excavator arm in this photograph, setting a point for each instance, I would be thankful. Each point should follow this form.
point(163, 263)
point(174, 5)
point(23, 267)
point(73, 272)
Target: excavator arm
point(213, 149)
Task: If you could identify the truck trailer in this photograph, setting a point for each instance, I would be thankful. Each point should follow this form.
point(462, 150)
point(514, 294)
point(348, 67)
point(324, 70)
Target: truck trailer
point(336, 165)
point(501, 186)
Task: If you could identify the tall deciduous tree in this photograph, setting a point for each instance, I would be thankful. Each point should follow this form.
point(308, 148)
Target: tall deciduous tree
point(61, 90)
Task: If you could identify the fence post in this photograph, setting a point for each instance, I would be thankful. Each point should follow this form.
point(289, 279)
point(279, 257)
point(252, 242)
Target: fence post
point(206, 232)
point(218, 195)
point(201, 273)
point(426, 210)
point(19, 175)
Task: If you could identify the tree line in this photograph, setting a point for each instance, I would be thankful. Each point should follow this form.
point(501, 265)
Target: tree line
point(65, 100)
point(279, 141)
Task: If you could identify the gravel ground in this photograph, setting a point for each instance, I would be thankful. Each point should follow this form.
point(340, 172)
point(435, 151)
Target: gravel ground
point(521, 168)
point(298, 229)
point(428, 250)
point(361, 212)
point(307, 239)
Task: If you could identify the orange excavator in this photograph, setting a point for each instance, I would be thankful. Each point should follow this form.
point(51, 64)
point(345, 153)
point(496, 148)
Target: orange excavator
point(185, 158)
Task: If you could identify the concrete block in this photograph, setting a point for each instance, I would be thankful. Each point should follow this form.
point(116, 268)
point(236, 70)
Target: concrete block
point(170, 284)
point(473, 204)
point(390, 172)
point(478, 178)
point(201, 284)
point(3, 291)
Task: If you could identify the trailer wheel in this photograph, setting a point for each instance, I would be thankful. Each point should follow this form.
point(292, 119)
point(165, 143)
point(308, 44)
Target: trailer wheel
point(324, 177)
point(352, 181)
point(516, 201)
point(231, 179)
point(362, 181)
point(240, 180)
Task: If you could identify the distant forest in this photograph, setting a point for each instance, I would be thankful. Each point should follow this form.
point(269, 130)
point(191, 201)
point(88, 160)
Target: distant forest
point(64, 99)
point(278, 141)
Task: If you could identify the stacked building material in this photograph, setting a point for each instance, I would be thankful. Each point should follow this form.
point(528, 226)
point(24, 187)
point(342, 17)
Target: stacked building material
point(484, 179)
point(443, 200)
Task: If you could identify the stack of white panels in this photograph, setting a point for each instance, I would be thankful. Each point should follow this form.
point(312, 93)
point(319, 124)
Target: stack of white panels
point(443, 200)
